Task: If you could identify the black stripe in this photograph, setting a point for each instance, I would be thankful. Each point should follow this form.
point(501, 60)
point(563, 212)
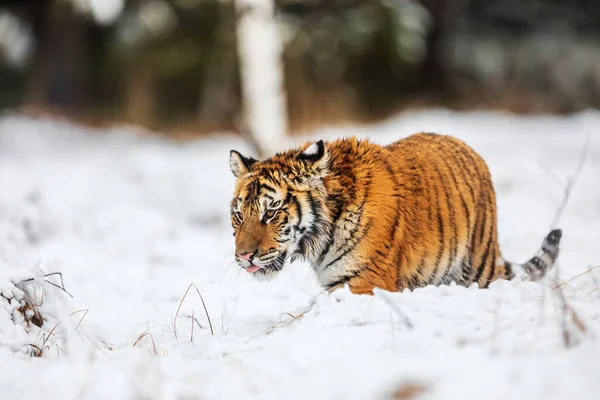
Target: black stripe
point(427, 189)
point(485, 257)
point(492, 271)
point(315, 209)
point(326, 248)
point(461, 156)
point(465, 272)
point(348, 250)
point(389, 170)
point(492, 238)
point(441, 229)
point(483, 262)
point(314, 206)
point(481, 204)
point(466, 211)
point(253, 188)
point(538, 263)
point(394, 178)
point(454, 233)
point(420, 278)
point(335, 203)
point(298, 208)
point(342, 280)
point(467, 178)
point(368, 268)
point(508, 270)
point(339, 258)
point(464, 202)
point(330, 242)
point(413, 282)
point(462, 199)
point(381, 254)
point(472, 246)
point(461, 151)
point(367, 186)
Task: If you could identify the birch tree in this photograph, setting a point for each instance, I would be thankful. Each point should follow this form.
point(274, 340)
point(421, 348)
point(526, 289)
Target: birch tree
point(264, 114)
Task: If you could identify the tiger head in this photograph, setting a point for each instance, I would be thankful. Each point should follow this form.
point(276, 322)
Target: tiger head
point(278, 207)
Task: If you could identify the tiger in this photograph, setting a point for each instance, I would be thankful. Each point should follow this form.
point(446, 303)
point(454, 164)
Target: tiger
point(416, 212)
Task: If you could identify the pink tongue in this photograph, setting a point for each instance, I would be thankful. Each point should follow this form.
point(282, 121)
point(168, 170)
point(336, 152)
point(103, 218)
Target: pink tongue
point(252, 268)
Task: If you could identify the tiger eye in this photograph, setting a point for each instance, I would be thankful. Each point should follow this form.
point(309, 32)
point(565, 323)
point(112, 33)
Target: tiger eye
point(239, 216)
point(270, 214)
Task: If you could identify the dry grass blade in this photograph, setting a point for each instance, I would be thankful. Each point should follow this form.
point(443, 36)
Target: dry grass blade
point(84, 311)
point(50, 334)
point(288, 321)
point(38, 351)
point(577, 276)
point(142, 336)
point(192, 330)
point(203, 305)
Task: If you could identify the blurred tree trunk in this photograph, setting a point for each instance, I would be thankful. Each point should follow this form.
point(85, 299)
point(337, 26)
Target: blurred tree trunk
point(260, 59)
point(139, 94)
point(218, 95)
point(59, 70)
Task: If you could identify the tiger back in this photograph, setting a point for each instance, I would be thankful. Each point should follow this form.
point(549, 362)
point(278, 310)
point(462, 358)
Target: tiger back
point(419, 211)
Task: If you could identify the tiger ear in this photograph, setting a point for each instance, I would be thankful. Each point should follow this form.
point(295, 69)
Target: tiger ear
point(239, 164)
point(316, 156)
point(316, 165)
point(314, 152)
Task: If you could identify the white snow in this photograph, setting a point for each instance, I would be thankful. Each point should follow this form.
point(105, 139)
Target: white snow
point(132, 220)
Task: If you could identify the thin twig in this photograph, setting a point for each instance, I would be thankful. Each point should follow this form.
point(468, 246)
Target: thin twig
point(225, 331)
point(572, 180)
point(577, 276)
point(60, 287)
point(568, 311)
point(62, 282)
point(387, 299)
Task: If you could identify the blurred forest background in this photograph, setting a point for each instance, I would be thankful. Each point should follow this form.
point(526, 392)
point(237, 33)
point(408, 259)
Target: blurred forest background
point(172, 66)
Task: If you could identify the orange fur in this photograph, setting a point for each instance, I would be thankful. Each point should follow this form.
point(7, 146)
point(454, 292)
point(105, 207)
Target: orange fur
point(419, 211)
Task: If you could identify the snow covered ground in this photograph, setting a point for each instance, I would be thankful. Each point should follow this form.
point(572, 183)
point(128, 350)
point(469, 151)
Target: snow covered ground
point(132, 220)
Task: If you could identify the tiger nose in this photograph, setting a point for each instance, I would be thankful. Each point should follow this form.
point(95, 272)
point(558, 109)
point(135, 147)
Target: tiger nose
point(246, 256)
